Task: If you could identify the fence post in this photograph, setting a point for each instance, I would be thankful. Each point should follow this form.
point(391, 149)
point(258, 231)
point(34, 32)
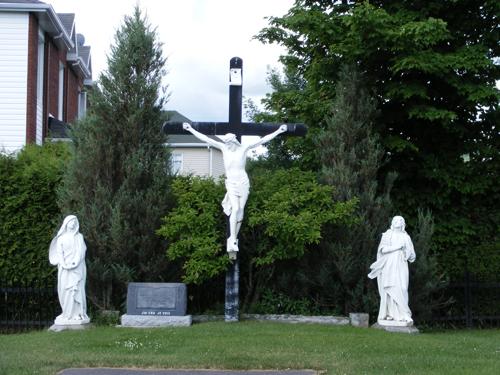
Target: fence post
point(468, 302)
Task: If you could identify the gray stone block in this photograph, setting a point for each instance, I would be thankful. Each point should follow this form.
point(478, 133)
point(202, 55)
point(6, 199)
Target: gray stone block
point(360, 319)
point(147, 321)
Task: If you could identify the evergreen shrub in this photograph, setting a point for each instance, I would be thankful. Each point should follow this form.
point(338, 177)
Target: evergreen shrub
point(28, 211)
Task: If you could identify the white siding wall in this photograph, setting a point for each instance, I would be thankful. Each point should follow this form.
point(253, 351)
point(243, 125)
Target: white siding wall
point(196, 161)
point(13, 80)
point(217, 164)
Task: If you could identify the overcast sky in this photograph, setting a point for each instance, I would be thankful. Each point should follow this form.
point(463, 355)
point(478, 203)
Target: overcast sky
point(199, 38)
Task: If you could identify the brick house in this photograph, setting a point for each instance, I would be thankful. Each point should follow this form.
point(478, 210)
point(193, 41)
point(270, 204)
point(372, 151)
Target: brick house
point(45, 70)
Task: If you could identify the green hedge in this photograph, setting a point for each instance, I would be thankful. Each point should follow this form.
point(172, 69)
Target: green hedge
point(28, 211)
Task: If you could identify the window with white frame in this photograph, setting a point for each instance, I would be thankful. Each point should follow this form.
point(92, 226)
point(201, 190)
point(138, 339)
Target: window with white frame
point(82, 103)
point(176, 162)
point(60, 98)
point(39, 88)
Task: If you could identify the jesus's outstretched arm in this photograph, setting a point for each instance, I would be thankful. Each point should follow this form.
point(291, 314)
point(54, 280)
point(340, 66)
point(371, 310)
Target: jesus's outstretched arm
point(283, 128)
point(201, 136)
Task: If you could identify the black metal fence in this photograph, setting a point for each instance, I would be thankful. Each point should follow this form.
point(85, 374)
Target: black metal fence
point(35, 305)
point(28, 306)
point(474, 304)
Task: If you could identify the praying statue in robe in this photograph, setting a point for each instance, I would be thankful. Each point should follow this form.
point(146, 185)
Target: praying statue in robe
point(237, 184)
point(391, 270)
point(67, 252)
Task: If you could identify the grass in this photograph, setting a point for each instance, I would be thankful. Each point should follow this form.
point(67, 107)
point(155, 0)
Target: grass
point(255, 345)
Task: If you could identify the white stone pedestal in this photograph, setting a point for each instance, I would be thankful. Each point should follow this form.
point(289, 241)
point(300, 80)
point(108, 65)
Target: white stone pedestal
point(69, 327)
point(397, 327)
point(145, 321)
point(395, 323)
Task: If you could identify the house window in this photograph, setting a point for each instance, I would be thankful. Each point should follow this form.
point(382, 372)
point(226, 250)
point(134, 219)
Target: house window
point(39, 88)
point(60, 98)
point(176, 163)
point(82, 103)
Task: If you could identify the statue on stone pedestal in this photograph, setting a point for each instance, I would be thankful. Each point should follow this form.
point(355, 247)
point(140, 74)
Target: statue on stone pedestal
point(67, 252)
point(237, 183)
point(391, 270)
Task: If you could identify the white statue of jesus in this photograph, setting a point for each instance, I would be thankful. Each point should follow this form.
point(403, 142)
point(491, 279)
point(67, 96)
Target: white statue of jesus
point(237, 183)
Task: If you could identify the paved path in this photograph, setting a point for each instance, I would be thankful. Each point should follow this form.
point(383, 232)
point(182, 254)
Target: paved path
point(117, 371)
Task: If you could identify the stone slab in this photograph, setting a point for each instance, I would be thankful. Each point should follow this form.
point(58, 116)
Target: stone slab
point(397, 329)
point(157, 299)
point(123, 371)
point(145, 321)
point(325, 319)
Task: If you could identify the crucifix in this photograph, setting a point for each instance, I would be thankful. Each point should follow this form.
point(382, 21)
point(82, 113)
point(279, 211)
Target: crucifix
point(234, 157)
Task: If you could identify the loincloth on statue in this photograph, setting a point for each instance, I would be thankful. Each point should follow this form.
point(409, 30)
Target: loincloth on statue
point(238, 188)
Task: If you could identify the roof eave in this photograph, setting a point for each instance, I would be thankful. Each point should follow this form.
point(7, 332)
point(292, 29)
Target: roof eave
point(71, 56)
point(60, 28)
point(81, 68)
point(188, 145)
point(41, 8)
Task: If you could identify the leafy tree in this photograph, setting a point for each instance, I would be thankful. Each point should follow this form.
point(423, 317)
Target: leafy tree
point(195, 228)
point(432, 67)
point(117, 182)
point(287, 214)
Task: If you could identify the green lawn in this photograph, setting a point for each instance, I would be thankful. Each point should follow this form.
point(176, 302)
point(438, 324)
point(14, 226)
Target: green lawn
point(255, 345)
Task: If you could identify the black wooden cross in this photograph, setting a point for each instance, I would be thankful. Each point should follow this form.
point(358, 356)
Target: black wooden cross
point(237, 127)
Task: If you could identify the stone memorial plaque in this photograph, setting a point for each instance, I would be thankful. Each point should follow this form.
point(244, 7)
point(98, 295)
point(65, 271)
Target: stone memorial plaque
point(157, 299)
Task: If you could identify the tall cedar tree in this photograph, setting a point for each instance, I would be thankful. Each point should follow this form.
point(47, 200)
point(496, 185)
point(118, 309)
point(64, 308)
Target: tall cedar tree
point(351, 156)
point(117, 182)
point(427, 282)
point(432, 66)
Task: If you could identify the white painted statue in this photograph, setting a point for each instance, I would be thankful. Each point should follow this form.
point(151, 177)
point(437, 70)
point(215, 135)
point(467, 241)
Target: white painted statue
point(391, 270)
point(67, 252)
point(237, 183)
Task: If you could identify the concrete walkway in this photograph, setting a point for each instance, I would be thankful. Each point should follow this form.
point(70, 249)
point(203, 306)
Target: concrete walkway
point(118, 371)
